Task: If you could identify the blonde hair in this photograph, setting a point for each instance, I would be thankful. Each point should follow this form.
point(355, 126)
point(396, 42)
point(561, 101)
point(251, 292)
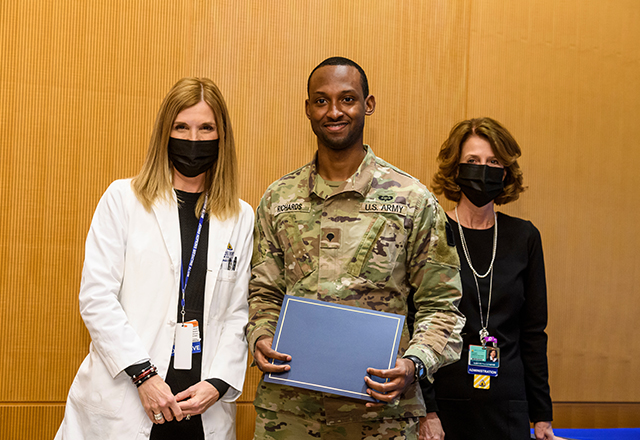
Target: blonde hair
point(502, 143)
point(155, 178)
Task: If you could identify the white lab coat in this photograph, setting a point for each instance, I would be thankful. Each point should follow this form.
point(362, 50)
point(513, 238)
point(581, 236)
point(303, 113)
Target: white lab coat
point(129, 302)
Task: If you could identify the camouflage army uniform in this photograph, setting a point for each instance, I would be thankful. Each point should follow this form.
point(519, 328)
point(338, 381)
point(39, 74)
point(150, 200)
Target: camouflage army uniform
point(374, 242)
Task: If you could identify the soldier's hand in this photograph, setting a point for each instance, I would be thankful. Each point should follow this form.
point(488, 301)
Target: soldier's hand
point(263, 354)
point(399, 377)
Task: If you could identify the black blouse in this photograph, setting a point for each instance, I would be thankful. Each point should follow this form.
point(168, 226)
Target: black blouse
point(180, 380)
point(518, 318)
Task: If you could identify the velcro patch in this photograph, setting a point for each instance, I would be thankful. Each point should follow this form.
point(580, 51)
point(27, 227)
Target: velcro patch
point(388, 208)
point(291, 207)
point(451, 240)
point(330, 238)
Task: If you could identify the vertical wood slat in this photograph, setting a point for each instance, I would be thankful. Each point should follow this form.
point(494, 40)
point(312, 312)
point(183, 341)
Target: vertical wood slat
point(19, 422)
point(593, 415)
point(245, 421)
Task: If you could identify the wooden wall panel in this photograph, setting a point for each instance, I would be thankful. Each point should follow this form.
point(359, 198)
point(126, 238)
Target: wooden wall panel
point(19, 422)
point(245, 420)
point(80, 84)
point(563, 77)
point(413, 54)
point(588, 415)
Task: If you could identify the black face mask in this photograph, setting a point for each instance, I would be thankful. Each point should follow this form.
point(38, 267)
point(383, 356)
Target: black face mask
point(192, 158)
point(480, 183)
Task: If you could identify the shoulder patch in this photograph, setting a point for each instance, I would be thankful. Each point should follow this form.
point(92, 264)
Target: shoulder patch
point(291, 207)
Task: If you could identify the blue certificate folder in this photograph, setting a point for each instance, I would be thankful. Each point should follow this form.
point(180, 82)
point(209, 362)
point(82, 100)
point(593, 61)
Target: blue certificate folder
point(332, 345)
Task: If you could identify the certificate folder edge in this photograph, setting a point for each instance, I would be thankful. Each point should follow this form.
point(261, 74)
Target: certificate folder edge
point(276, 377)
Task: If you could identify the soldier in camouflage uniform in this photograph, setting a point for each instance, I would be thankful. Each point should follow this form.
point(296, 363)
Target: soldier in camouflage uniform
point(352, 229)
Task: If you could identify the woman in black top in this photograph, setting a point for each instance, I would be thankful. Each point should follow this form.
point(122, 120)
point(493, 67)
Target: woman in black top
point(504, 297)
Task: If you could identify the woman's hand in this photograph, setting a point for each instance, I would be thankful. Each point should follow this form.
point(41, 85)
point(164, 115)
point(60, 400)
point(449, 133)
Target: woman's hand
point(430, 427)
point(197, 398)
point(157, 398)
point(543, 431)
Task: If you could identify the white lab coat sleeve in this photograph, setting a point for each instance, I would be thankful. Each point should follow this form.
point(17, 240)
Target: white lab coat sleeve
point(113, 338)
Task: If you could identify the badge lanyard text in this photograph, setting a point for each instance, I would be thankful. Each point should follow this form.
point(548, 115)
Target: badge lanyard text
point(185, 278)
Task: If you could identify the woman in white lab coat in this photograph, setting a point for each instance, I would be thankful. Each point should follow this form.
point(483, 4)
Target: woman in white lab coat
point(172, 244)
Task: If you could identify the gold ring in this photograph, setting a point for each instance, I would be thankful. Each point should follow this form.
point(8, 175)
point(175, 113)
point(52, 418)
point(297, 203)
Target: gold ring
point(188, 417)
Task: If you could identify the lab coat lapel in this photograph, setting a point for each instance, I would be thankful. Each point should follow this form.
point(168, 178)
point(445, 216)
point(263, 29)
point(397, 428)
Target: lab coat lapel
point(219, 237)
point(166, 213)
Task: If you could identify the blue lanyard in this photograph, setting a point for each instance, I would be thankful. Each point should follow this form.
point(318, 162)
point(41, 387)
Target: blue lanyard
point(185, 279)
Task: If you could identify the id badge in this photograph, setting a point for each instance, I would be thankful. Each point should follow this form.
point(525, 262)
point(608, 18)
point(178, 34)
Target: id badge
point(195, 341)
point(182, 350)
point(483, 360)
point(196, 346)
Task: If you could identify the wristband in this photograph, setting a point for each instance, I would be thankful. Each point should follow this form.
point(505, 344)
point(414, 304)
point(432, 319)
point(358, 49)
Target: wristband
point(145, 375)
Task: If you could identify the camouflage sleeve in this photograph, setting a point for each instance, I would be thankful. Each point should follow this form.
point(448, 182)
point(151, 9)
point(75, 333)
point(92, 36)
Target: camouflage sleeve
point(434, 275)
point(266, 287)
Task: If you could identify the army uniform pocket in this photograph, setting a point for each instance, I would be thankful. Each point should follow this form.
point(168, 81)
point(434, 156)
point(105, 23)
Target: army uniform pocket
point(376, 255)
point(297, 262)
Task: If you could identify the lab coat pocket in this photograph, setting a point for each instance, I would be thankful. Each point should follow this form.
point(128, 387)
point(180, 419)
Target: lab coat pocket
point(96, 390)
point(227, 275)
point(224, 281)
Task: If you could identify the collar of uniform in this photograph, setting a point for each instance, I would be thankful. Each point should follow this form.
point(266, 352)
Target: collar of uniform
point(359, 182)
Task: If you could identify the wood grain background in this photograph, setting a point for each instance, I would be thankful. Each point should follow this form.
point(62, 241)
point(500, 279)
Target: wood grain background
point(81, 81)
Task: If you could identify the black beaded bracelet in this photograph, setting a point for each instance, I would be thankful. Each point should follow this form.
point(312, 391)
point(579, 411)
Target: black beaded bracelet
point(137, 369)
point(145, 378)
point(145, 375)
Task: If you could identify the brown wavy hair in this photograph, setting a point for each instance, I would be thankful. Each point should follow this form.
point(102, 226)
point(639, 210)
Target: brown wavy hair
point(156, 177)
point(502, 143)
